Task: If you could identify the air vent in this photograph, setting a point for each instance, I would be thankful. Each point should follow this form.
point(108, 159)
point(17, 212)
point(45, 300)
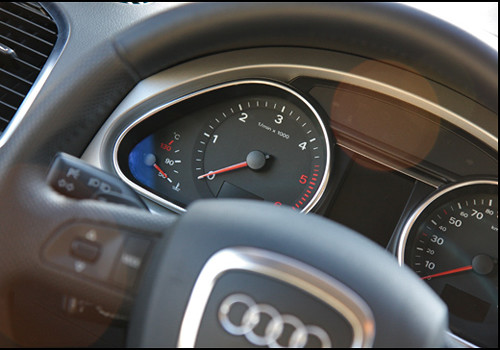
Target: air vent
point(27, 37)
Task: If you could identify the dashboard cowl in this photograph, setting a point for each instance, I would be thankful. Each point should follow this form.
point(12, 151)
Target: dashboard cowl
point(382, 31)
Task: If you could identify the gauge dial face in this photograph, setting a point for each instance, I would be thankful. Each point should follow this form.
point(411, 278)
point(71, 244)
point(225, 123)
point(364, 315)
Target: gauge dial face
point(453, 245)
point(261, 147)
point(156, 162)
point(249, 139)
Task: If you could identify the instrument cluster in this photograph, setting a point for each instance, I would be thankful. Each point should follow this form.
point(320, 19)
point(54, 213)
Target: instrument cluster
point(246, 139)
point(265, 140)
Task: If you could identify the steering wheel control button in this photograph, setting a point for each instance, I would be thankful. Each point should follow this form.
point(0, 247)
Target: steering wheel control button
point(74, 178)
point(268, 313)
point(85, 249)
point(130, 262)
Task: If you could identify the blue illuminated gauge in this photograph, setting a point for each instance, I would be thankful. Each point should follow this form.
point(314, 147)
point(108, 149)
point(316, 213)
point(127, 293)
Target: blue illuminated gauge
point(451, 242)
point(156, 162)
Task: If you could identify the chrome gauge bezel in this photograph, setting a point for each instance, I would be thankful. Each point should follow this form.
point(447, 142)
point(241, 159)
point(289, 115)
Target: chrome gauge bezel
point(177, 208)
point(405, 232)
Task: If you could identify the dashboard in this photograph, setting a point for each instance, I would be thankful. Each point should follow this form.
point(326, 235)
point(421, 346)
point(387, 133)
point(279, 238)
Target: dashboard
point(351, 154)
point(394, 148)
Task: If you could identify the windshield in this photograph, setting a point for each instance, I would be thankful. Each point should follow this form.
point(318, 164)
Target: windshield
point(478, 18)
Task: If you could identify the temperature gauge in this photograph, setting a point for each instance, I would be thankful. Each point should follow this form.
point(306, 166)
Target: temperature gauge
point(156, 162)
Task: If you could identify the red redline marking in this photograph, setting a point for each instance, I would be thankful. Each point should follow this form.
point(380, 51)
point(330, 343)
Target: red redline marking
point(312, 183)
point(308, 191)
point(445, 211)
point(171, 142)
point(301, 203)
point(306, 195)
point(311, 188)
point(296, 205)
point(424, 234)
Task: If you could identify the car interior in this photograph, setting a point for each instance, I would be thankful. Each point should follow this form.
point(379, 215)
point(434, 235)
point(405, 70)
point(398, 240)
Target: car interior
point(261, 174)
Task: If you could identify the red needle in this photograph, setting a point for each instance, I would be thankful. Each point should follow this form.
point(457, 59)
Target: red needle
point(223, 170)
point(449, 272)
point(161, 171)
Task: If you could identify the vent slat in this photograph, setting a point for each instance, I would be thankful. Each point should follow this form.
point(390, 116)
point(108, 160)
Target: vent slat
point(14, 80)
point(25, 38)
point(35, 57)
point(21, 46)
point(32, 12)
point(27, 29)
point(33, 27)
point(12, 91)
point(5, 104)
point(28, 65)
point(12, 98)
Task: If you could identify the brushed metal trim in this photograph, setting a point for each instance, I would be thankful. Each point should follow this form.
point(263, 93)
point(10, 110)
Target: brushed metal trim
point(288, 270)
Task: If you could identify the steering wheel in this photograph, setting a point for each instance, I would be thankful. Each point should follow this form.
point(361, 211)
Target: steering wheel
point(226, 273)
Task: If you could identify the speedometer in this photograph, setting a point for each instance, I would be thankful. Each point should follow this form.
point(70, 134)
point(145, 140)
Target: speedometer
point(250, 139)
point(451, 242)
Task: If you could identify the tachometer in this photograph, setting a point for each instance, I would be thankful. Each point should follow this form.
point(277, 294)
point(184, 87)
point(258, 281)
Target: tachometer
point(451, 242)
point(262, 147)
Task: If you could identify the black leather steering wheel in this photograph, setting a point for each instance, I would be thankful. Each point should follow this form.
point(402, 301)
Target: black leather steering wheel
point(275, 258)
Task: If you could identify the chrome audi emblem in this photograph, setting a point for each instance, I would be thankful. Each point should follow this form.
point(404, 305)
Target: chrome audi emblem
point(275, 327)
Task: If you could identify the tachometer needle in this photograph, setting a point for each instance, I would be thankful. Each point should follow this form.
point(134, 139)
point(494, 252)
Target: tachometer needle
point(256, 160)
point(449, 272)
point(223, 170)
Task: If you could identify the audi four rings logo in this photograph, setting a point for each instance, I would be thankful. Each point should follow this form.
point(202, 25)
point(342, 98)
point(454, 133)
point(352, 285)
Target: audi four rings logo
point(276, 325)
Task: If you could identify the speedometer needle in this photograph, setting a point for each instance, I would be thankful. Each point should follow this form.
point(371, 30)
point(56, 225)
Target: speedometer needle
point(449, 272)
point(223, 170)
